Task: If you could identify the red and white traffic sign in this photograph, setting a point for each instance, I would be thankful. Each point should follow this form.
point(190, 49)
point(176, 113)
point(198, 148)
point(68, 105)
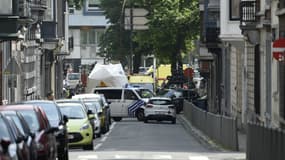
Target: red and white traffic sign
point(279, 49)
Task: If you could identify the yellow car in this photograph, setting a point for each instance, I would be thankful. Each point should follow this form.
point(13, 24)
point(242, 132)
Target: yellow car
point(80, 131)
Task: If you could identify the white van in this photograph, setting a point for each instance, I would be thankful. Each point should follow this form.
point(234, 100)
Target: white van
point(124, 102)
point(73, 79)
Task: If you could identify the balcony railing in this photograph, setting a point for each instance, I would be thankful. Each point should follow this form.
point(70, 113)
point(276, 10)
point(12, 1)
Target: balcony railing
point(39, 5)
point(248, 10)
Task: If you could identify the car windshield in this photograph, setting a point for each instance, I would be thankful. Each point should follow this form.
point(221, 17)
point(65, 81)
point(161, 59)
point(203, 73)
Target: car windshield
point(97, 104)
point(51, 112)
point(31, 119)
point(73, 111)
point(4, 134)
point(18, 123)
point(144, 93)
point(74, 76)
point(91, 106)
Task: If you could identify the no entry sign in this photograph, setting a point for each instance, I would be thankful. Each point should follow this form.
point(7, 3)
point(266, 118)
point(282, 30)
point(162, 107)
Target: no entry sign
point(279, 49)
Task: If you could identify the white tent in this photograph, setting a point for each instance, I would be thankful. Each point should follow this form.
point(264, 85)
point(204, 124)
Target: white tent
point(111, 75)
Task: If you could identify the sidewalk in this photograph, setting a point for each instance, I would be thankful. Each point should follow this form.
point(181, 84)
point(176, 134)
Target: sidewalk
point(205, 140)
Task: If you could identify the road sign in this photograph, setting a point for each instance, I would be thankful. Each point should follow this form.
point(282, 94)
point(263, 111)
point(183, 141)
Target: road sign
point(135, 17)
point(279, 49)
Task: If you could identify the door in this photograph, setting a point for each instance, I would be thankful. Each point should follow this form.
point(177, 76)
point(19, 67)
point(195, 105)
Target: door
point(115, 97)
point(130, 104)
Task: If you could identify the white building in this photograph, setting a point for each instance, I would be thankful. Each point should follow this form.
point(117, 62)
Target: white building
point(86, 26)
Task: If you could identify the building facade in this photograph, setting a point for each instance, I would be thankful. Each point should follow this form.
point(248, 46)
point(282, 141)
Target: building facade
point(86, 26)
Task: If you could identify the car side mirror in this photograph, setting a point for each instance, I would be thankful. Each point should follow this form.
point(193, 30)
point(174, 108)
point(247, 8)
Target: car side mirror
point(5, 144)
point(89, 112)
point(65, 119)
point(109, 102)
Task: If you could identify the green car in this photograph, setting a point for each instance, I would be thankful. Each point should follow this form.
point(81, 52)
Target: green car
point(80, 132)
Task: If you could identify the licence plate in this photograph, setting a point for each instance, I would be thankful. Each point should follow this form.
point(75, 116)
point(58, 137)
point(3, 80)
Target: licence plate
point(70, 136)
point(160, 112)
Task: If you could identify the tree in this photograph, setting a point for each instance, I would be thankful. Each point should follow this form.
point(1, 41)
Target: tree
point(76, 3)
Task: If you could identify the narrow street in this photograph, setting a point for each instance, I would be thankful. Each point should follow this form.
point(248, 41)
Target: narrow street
point(130, 139)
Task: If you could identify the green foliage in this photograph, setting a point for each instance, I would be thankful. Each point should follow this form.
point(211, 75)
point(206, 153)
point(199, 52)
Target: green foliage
point(173, 27)
point(76, 3)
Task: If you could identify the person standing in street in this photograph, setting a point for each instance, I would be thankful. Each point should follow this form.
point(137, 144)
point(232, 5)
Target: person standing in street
point(50, 96)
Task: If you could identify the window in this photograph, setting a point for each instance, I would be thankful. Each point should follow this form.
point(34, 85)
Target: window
point(93, 5)
point(6, 7)
point(234, 9)
point(110, 94)
point(90, 36)
point(129, 95)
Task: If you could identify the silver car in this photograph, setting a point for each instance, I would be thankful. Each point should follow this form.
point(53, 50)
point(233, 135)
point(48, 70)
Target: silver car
point(160, 108)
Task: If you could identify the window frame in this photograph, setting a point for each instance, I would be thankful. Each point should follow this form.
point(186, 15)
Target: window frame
point(231, 11)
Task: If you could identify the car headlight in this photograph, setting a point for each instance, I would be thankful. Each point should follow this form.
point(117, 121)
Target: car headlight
point(85, 126)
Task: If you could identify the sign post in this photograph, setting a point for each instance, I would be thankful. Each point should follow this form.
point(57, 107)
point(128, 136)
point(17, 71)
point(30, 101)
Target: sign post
point(278, 50)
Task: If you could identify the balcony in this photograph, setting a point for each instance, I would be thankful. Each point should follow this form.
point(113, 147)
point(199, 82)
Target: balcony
point(14, 14)
point(248, 15)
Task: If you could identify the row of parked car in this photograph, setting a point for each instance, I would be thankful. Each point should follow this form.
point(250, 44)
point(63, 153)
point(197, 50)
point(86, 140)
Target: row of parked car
point(44, 130)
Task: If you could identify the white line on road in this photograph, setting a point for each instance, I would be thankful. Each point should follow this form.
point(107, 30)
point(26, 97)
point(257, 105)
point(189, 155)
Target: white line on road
point(112, 125)
point(120, 156)
point(161, 157)
point(198, 158)
point(103, 139)
point(84, 157)
point(97, 146)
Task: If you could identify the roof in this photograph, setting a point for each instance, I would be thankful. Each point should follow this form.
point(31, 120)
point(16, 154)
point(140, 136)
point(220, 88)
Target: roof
point(18, 107)
point(87, 95)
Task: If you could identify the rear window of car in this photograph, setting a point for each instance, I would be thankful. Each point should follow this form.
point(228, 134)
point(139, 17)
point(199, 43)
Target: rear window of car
point(160, 102)
point(31, 118)
point(73, 76)
point(4, 132)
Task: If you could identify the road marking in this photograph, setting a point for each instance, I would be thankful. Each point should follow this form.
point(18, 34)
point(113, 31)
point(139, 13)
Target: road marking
point(112, 125)
point(120, 156)
point(86, 157)
point(103, 139)
point(161, 157)
point(198, 158)
point(97, 146)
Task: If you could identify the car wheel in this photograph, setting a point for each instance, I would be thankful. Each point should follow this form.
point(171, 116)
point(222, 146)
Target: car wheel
point(89, 147)
point(174, 121)
point(117, 119)
point(140, 115)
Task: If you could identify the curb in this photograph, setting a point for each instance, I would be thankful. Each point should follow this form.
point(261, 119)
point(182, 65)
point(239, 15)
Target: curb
point(200, 136)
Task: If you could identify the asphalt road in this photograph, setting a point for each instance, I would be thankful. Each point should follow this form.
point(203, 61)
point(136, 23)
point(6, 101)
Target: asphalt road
point(133, 140)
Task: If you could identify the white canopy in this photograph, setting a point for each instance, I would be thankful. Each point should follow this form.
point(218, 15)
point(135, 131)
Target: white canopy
point(111, 75)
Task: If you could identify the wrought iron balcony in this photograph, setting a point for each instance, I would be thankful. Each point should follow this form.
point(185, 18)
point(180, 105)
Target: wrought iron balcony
point(38, 5)
point(248, 18)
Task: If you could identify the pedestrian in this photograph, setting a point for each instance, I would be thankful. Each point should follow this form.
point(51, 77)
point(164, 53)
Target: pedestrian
point(50, 96)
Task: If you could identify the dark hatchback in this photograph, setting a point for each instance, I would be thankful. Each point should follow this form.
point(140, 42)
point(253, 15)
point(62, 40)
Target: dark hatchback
point(23, 127)
point(56, 119)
